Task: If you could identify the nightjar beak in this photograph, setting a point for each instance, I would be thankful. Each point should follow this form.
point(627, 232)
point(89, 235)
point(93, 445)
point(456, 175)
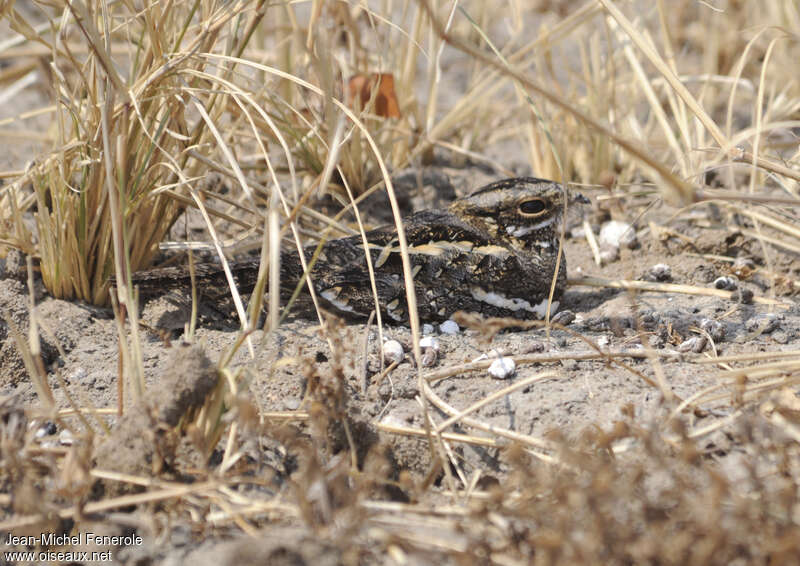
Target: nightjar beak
point(577, 198)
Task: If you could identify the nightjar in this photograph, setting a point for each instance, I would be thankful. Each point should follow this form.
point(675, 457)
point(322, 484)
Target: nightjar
point(493, 252)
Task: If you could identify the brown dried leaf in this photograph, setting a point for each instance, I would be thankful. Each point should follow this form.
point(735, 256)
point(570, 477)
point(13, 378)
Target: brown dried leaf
point(361, 87)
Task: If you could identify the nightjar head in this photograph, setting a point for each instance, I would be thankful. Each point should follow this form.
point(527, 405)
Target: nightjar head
point(523, 213)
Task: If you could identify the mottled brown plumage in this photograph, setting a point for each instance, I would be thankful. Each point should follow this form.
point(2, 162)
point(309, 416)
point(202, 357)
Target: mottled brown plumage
point(493, 252)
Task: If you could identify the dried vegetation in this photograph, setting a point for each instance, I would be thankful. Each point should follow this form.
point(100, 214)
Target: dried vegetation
point(271, 122)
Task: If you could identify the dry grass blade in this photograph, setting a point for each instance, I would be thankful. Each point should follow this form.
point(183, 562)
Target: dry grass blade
point(667, 288)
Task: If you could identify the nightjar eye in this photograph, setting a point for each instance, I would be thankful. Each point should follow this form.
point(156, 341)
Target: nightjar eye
point(533, 207)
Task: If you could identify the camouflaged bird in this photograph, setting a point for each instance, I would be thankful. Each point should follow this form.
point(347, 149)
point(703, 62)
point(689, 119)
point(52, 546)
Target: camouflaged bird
point(493, 252)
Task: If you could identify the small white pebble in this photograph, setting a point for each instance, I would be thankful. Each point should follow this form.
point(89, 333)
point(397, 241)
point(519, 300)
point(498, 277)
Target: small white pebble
point(428, 329)
point(743, 263)
point(603, 341)
point(608, 253)
point(449, 327)
point(694, 344)
point(659, 272)
point(393, 351)
point(429, 357)
point(429, 342)
point(616, 233)
point(563, 318)
point(763, 323)
point(726, 282)
point(78, 374)
point(65, 438)
point(714, 329)
point(393, 420)
point(493, 353)
point(502, 368)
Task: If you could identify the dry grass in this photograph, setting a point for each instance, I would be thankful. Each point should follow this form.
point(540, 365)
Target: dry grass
point(243, 115)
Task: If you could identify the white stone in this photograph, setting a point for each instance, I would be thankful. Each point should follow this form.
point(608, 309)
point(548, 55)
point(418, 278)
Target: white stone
point(714, 328)
point(65, 438)
point(608, 254)
point(660, 272)
point(449, 327)
point(502, 368)
point(78, 375)
point(428, 329)
point(616, 233)
point(393, 351)
point(429, 342)
point(726, 282)
point(493, 353)
point(393, 420)
point(694, 344)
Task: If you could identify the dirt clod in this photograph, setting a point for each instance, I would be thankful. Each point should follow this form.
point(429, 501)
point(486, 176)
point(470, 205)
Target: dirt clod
point(145, 440)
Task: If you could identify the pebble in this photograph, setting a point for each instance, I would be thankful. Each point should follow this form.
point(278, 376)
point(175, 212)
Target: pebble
point(533, 348)
point(430, 351)
point(47, 429)
point(449, 327)
point(393, 420)
point(570, 364)
point(649, 320)
point(608, 254)
point(763, 323)
point(780, 337)
point(502, 368)
point(429, 342)
point(393, 351)
point(428, 329)
point(65, 438)
point(659, 272)
point(694, 344)
point(726, 282)
point(715, 329)
point(78, 374)
point(429, 357)
point(563, 318)
point(743, 266)
point(491, 354)
point(577, 232)
point(616, 233)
